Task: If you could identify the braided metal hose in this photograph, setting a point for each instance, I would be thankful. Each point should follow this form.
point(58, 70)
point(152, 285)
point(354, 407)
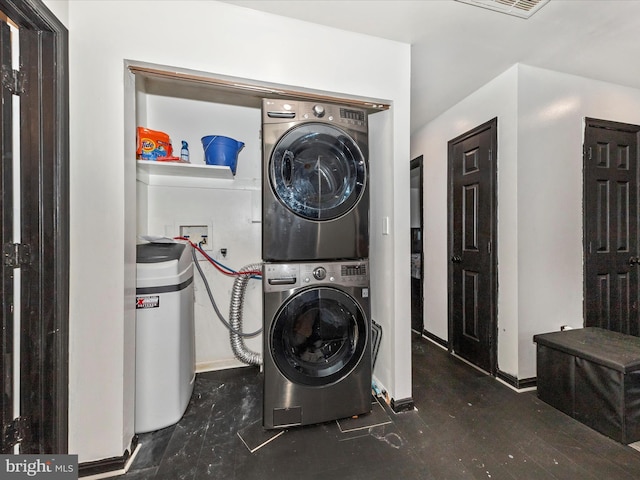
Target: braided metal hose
point(240, 350)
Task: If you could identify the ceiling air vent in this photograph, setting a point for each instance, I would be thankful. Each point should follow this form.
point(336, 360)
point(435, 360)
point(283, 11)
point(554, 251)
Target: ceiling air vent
point(517, 8)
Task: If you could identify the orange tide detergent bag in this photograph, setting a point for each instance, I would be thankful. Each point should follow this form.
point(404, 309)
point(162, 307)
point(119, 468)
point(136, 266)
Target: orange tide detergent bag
point(153, 145)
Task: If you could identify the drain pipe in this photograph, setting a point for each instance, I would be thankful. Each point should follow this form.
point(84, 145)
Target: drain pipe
point(240, 350)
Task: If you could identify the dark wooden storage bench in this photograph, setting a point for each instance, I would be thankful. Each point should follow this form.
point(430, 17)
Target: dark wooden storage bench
point(592, 375)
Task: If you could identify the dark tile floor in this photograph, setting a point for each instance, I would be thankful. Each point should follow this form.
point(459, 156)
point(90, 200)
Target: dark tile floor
point(466, 426)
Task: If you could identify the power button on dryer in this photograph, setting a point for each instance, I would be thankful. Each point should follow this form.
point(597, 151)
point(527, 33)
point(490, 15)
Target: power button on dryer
point(318, 111)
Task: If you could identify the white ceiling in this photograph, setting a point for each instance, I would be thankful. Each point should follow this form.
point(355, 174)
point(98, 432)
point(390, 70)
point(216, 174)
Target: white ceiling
point(457, 48)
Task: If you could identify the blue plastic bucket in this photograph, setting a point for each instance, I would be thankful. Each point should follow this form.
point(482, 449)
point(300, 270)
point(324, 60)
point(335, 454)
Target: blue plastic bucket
point(219, 150)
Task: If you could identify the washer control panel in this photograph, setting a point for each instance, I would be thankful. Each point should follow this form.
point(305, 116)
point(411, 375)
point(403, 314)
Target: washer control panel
point(284, 276)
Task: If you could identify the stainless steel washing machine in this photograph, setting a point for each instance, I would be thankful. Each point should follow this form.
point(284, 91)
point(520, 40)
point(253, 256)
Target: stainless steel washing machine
point(315, 182)
point(317, 352)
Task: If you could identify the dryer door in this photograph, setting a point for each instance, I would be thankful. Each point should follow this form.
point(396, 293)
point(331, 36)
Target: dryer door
point(317, 171)
point(318, 336)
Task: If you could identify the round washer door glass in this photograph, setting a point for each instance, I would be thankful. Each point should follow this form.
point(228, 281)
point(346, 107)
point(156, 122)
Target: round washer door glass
point(318, 336)
point(318, 171)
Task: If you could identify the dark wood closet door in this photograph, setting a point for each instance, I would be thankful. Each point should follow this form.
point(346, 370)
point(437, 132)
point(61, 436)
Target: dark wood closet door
point(472, 272)
point(611, 263)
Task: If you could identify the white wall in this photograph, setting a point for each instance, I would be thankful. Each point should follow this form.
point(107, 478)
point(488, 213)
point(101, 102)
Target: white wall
point(496, 99)
point(231, 210)
point(552, 107)
point(227, 40)
point(60, 8)
point(540, 131)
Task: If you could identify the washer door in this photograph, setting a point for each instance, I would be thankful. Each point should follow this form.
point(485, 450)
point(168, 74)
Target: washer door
point(318, 336)
point(317, 171)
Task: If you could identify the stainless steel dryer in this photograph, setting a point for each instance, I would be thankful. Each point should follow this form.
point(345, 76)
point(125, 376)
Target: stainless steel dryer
point(317, 352)
point(315, 182)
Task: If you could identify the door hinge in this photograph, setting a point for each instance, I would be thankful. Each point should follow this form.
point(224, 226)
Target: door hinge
point(15, 432)
point(16, 254)
point(489, 247)
point(13, 80)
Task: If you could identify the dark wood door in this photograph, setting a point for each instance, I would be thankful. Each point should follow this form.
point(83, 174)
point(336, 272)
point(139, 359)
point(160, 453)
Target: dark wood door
point(39, 247)
point(472, 246)
point(417, 295)
point(6, 226)
point(611, 226)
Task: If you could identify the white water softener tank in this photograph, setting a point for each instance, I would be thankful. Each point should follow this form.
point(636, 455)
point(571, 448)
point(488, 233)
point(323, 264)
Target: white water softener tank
point(165, 342)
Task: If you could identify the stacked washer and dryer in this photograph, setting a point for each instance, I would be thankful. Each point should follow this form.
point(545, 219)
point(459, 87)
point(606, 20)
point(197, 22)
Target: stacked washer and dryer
point(315, 247)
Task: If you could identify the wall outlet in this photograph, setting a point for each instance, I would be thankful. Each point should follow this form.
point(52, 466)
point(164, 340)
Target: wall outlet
point(198, 234)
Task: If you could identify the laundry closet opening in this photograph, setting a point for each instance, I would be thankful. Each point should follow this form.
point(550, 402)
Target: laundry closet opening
point(163, 198)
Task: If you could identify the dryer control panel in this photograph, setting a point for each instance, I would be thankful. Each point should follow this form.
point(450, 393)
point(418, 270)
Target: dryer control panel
point(285, 276)
point(283, 111)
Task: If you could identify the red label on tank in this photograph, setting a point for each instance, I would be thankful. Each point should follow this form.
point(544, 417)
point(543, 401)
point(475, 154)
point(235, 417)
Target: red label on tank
point(148, 301)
